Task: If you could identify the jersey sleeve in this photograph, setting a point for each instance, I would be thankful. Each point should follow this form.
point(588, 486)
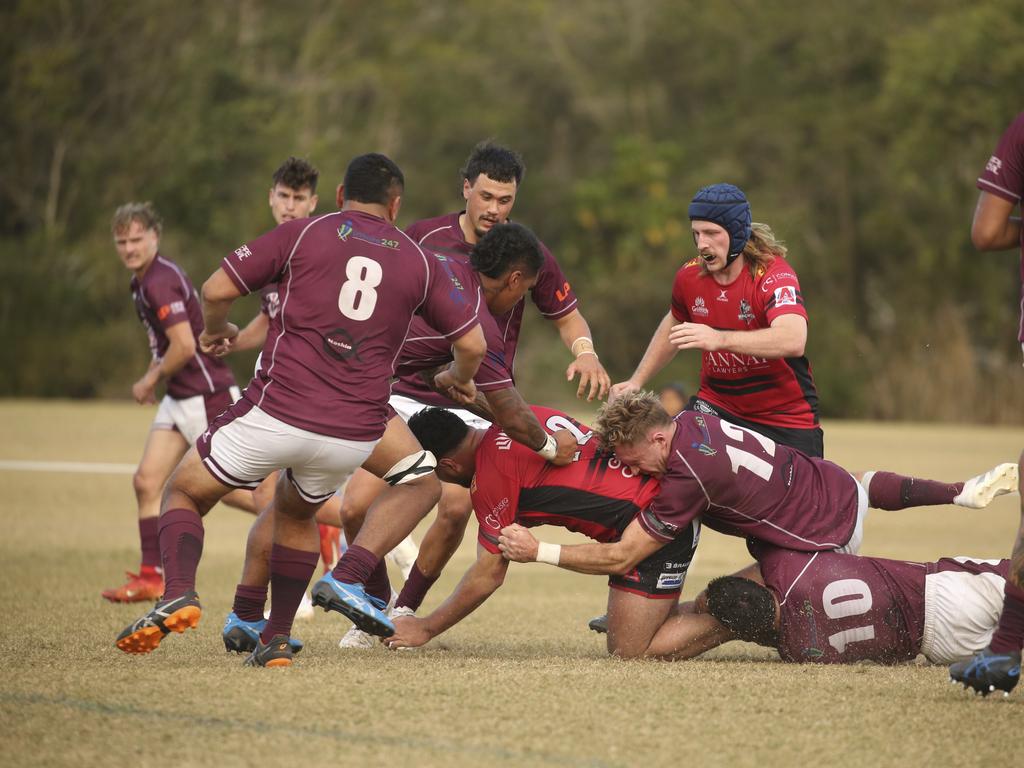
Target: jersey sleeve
point(680, 500)
point(779, 292)
point(258, 262)
point(552, 293)
point(450, 304)
point(168, 296)
point(1004, 172)
point(495, 495)
point(679, 309)
point(495, 372)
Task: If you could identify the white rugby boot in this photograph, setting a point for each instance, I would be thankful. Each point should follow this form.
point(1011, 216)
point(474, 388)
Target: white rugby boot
point(979, 491)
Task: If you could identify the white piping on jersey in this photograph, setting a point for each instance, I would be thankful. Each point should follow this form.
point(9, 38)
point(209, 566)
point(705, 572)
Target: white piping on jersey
point(563, 311)
point(446, 226)
point(986, 182)
point(435, 338)
point(426, 290)
point(238, 276)
point(757, 520)
point(184, 284)
point(785, 597)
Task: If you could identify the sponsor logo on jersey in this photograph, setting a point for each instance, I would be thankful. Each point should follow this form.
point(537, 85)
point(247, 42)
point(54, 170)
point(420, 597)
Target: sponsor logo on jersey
point(340, 345)
point(705, 446)
point(731, 363)
point(669, 580)
point(344, 231)
point(994, 165)
point(273, 300)
point(243, 252)
point(746, 313)
point(503, 441)
point(492, 520)
point(163, 312)
point(698, 307)
point(812, 652)
point(785, 296)
point(723, 295)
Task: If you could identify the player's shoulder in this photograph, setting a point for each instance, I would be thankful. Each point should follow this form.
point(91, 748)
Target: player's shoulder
point(690, 269)
point(163, 271)
point(436, 226)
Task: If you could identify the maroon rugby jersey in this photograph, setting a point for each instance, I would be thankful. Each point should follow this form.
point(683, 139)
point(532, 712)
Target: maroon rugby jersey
point(595, 495)
point(744, 484)
point(552, 294)
point(1004, 177)
point(165, 297)
point(349, 284)
point(777, 392)
point(426, 348)
point(838, 609)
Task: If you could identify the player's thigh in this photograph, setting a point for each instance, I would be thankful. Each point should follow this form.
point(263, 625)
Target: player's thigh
point(359, 493)
point(191, 481)
point(398, 442)
point(633, 620)
point(161, 454)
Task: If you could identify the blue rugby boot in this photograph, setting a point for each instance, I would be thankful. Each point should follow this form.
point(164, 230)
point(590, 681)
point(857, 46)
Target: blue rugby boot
point(988, 672)
point(242, 636)
point(351, 600)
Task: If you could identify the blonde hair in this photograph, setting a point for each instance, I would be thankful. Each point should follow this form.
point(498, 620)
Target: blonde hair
point(144, 213)
point(627, 419)
point(761, 249)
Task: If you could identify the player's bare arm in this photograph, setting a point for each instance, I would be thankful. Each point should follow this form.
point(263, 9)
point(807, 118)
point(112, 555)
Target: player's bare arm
point(995, 228)
point(479, 583)
point(182, 349)
point(520, 423)
point(659, 352)
point(218, 335)
point(575, 333)
point(253, 335)
point(456, 381)
point(786, 337)
point(616, 557)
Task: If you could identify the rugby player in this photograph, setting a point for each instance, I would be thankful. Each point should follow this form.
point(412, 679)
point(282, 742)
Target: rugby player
point(199, 386)
point(350, 283)
point(491, 180)
point(739, 303)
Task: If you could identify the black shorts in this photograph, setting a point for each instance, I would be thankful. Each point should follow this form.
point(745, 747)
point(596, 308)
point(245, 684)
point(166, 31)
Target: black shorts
point(809, 441)
point(662, 574)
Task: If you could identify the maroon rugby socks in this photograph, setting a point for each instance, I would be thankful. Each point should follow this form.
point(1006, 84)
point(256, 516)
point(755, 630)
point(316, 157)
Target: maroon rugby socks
point(887, 490)
point(249, 602)
point(290, 572)
point(181, 547)
point(1009, 635)
point(356, 566)
point(149, 538)
point(415, 589)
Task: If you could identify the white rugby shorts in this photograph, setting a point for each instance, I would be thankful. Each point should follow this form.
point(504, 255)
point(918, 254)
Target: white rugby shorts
point(961, 611)
point(406, 408)
point(242, 450)
point(852, 546)
point(187, 416)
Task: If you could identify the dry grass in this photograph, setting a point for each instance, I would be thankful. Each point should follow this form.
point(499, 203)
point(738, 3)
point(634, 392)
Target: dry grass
point(521, 682)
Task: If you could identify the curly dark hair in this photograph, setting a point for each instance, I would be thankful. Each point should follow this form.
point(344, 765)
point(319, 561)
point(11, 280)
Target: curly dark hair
point(745, 607)
point(497, 162)
point(373, 178)
point(504, 247)
point(439, 430)
point(296, 174)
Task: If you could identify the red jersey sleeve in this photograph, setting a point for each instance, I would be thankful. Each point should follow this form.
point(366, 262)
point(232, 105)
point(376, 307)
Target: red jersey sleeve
point(779, 291)
point(1004, 172)
point(494, 493)
point(258, 262)
point(168, 296)
point(680, 307)
point(552, 293)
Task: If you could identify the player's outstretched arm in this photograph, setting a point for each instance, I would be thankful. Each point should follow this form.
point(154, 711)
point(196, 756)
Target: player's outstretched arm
point(479, 583)
point(616, 557)
point(218, 335)
point(659, 352)
point(520, 423)
point(994, 227)
point(575, 332)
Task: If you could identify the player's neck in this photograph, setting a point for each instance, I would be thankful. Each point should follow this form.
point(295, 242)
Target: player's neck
point(141, 271)
point(729, 273)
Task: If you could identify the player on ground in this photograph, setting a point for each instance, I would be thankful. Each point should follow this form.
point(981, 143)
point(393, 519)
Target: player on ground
point(198, 386)
point(741, 483)
point(350, 284)
point(595, 495)
point(998, 665)
point(739, 302)
point(491, 179)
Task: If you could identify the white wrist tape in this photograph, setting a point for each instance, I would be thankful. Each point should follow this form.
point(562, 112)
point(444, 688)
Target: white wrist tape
point(582, 346)
point(548, 553)
point(549, 449)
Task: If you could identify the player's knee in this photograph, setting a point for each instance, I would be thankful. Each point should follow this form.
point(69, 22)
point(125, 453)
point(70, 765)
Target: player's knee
point(351, 511)
point(454, 513)
point(146, 484)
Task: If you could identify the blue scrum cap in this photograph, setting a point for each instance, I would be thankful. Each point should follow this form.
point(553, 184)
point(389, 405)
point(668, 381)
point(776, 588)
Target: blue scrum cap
point(726, 206)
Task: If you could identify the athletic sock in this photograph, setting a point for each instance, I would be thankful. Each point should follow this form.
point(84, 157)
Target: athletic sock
point(378, 584)
point(1009, 635)
point(415, 589)
point(181, 547)
point(355, 566)
point(249, 602)
point(887, 490)
point(149, 538)
point(290, 572)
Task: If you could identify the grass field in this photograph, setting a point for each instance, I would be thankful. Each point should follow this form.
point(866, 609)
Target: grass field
point(521, 682)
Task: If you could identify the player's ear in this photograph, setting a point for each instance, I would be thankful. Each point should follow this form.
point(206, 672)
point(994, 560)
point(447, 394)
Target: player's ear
point(339, 196)
point(467, 189)
point(394, 206)
point(313, 200)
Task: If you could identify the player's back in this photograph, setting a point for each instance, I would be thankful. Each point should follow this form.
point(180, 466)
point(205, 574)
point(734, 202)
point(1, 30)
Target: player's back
point(349, 284)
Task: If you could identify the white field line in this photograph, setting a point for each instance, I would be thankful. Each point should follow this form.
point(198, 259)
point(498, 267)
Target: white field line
point(88, 467)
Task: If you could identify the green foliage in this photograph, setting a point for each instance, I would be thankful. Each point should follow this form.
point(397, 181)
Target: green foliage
point(857, 130)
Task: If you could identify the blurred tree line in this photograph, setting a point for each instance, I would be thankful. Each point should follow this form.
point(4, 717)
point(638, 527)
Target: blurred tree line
point(857, 129)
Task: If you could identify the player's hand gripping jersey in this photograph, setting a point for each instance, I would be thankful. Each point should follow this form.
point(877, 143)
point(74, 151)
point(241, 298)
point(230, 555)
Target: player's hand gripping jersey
point(349, 284)
point(778, 392)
